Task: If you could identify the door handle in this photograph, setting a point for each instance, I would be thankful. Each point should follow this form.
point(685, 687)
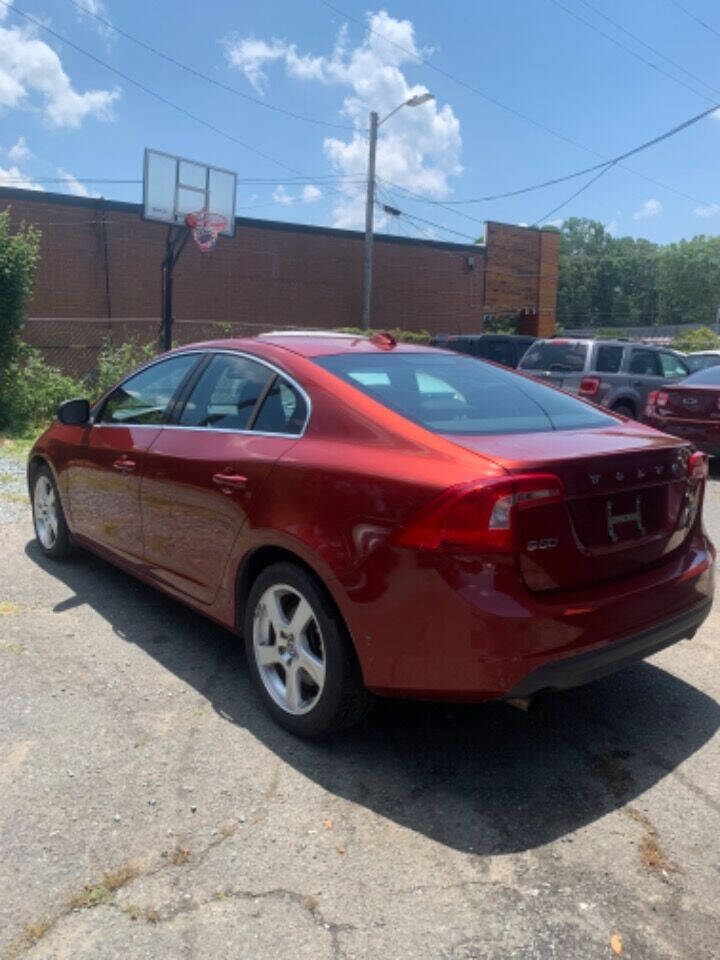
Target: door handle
point(234, 481)
point(124, 464)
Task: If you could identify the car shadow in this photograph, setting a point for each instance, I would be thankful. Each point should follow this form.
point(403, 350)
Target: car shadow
point(482, 778)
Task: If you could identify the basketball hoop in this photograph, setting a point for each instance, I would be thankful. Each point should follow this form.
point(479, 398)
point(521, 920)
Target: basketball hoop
point(205, 228)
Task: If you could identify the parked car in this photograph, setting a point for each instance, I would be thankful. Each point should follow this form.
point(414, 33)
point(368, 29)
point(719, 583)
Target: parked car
point(615, 373)
point(383, 518)
point(506, 349)
point(689, 409)
point(701, 359)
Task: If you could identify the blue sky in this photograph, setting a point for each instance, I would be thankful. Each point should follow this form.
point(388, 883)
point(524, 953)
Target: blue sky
point(62, 114)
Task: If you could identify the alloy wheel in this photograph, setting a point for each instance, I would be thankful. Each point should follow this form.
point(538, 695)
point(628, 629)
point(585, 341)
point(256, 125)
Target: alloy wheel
point(45, 509)
point(289, 649)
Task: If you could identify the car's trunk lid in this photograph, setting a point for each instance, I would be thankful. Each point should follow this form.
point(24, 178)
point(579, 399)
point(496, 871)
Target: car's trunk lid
point(690, 403)
point(626, 502)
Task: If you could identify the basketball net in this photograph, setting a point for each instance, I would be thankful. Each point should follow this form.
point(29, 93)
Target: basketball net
point(205, 227)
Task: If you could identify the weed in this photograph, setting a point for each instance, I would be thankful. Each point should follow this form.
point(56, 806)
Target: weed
point(311, 903)
point(92, 895)
point(178, 856)
point(152, 915)
point(11, 646)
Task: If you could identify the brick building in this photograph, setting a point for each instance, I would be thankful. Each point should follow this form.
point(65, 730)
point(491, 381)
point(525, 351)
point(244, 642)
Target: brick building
point(100, 274)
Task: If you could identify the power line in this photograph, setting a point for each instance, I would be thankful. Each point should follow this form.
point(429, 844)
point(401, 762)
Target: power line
point(634, 36)
point(577, 193)
point(613, 161)
point(503, 106)
point(203, 76)
point(629, 50)
point(147, 90)
point(697, 19)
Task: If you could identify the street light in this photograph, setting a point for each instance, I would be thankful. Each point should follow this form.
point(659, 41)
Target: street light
point(415, 101)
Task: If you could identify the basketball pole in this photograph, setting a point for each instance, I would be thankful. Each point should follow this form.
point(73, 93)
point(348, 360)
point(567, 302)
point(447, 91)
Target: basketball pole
point(174, 246)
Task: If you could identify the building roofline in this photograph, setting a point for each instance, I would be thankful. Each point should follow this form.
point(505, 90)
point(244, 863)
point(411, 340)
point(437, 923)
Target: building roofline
point(8, 194)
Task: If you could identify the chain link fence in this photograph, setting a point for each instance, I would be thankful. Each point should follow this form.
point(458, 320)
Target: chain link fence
point(74, 345)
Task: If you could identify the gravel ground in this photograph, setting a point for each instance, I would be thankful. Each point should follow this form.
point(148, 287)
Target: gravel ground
point(13, 483)
point(149, 809)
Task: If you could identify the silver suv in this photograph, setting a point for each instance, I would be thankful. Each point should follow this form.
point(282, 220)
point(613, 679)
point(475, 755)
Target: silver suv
point(615, 373)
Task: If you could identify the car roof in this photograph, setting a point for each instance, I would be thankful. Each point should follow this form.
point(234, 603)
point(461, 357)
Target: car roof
point(447, 337)
point(704, 353)
point(607, 342)
point(310, 344)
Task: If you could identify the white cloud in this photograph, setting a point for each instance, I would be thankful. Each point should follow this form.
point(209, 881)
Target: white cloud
point(92, 9)
point(711, 210)
point(310, 193)
point(73, 186)
point(29, 66)
point(13, 177)
point(651, 208)
point(280, 195)
point(418, 149)
point(19, 151)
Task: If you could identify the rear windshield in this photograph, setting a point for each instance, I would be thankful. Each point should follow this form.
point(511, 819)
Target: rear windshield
point(564, 356)
point(458, 395)
point(709, 377)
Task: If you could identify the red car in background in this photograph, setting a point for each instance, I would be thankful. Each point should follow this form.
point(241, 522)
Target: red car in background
point(689, 409)
point(387, 519)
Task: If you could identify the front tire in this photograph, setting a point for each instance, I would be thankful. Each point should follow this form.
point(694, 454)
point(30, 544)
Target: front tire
point(299, 654)
point(51, 530)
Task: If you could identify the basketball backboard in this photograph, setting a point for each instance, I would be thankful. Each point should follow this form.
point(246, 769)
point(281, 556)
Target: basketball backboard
point(173, 187)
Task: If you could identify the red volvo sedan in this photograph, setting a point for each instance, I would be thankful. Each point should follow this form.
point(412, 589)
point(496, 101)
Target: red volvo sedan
point(689, 409)
point(383, 519)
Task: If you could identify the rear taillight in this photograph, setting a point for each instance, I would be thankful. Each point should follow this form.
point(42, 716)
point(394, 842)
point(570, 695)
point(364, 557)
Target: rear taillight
point(655, 399)
point(698, 466)
point(589, 386)
point(479, 517)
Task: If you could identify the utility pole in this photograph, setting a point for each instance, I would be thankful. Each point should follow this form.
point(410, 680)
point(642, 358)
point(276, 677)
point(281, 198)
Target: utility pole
point(369, 218)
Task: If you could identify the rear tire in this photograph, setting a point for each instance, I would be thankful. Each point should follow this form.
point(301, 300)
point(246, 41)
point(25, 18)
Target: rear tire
point(300, 656)
point(625, 410)
point(51, 530)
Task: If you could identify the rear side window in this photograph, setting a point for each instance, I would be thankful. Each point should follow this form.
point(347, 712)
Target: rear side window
point(283, 410)
point(562, 356)
point(608, 359)
point(644, 363)
point(457, 395)
point(500, 351)
point(144, 397)
point(226, 394)
point(673, 367)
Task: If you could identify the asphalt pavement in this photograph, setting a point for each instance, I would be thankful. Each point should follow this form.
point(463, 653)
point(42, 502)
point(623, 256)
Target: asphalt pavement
point(150, 809)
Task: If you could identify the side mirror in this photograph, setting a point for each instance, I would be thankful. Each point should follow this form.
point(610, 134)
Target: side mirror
point(74, 413)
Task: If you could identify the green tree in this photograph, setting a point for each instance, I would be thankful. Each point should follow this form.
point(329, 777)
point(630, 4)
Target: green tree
point(19, 255)
point(697, 339)
point(689, 281)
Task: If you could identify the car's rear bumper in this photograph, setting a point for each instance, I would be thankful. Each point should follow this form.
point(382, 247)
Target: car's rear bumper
point(704, 434)
point(580, 669)
point(462, 629)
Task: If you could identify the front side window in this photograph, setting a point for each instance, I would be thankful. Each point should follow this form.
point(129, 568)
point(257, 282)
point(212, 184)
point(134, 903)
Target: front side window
point(458, 395)
point(644, 363)
point(226, 394)
point(673, 367)
point(144, 397)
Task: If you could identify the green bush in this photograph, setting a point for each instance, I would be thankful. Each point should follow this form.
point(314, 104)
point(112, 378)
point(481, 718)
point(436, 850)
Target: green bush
point(699, 339)
point(31, 389)
point(115, 362)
